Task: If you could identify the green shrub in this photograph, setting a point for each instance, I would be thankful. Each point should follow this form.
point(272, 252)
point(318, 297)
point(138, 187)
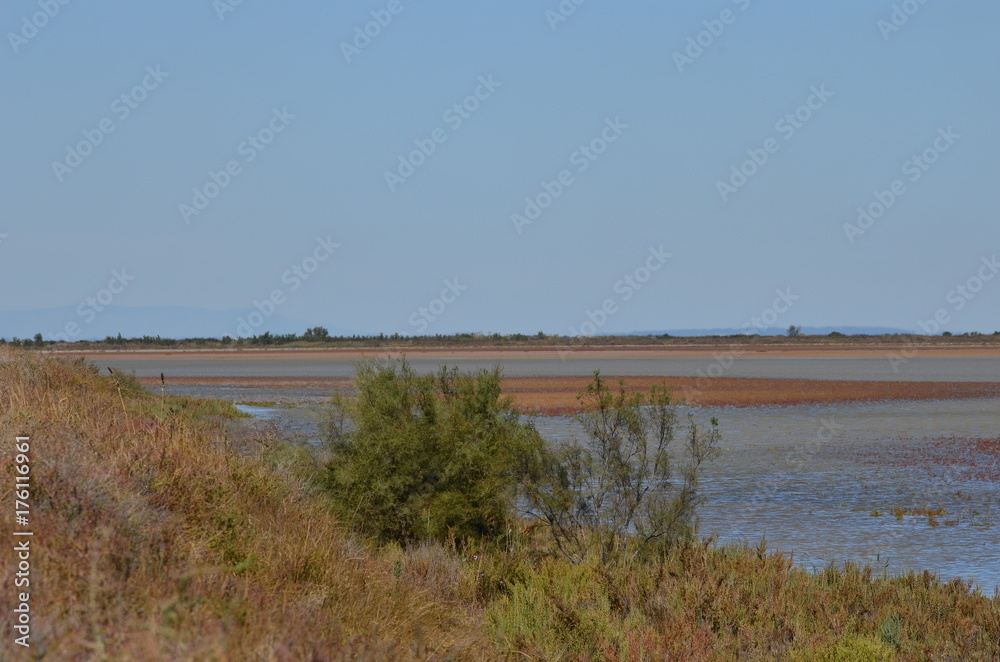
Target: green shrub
point(853, 649)
point(427, 457)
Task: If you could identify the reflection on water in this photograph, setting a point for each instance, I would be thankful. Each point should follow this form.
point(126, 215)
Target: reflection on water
point(263, 413)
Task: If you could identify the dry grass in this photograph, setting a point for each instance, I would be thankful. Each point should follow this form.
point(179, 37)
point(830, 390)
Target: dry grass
point(159, 536)
point(156, 540)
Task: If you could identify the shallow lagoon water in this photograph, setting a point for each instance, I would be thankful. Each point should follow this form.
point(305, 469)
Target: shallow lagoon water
point(821, 482)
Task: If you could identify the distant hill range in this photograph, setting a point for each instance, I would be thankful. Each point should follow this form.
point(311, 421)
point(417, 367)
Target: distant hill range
point(135, 322)
point(806, 331)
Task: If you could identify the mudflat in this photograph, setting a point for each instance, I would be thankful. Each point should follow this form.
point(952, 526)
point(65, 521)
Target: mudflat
point(558, 395)
point(548, 380)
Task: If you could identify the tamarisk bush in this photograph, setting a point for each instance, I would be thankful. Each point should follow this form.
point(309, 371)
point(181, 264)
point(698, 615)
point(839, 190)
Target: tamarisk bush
point(427, 457)
point(616, 493)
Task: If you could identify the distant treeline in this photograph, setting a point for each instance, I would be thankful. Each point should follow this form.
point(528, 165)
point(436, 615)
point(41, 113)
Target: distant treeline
point(319, 336)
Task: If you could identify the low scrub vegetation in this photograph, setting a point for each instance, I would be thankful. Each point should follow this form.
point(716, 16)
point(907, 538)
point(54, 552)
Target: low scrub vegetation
point(446, 457)
point(164, 529)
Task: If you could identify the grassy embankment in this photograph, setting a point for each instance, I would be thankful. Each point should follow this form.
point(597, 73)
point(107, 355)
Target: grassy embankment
point(162, 534)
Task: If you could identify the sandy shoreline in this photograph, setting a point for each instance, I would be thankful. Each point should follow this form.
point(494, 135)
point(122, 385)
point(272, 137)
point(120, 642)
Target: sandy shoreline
point(558, 395)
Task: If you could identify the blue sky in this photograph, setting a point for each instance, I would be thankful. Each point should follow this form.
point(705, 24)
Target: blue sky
point(438, 251)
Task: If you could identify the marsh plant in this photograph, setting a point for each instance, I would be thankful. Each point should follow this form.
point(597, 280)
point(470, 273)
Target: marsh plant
point(622, 491)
